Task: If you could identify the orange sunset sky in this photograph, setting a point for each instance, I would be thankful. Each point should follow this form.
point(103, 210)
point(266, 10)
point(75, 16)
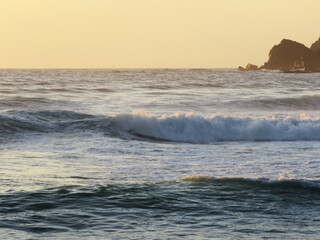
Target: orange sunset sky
point(150, 33)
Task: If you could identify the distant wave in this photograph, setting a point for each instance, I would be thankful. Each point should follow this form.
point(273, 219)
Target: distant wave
point(187, 128)
point(31, 103)
point(306, 102)
point(261, 183)
point(22, 101)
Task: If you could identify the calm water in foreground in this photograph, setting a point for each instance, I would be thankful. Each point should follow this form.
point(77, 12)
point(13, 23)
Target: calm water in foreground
point(159, 154)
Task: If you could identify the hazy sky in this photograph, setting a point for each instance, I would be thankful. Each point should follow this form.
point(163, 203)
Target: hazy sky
point(150, 33)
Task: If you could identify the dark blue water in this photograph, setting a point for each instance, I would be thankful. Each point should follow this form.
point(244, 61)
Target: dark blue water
point(206, 209)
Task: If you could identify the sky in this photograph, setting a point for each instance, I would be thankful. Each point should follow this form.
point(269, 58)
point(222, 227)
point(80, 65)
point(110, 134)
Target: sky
point(150, 33)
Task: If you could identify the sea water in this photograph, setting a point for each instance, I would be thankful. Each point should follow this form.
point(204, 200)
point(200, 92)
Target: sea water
point(159, 154)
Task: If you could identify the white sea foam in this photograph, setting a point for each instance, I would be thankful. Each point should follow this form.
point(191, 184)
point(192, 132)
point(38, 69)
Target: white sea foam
point(198, 129)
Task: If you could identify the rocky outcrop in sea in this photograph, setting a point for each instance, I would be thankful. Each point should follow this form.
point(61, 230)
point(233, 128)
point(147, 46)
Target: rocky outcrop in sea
point(291, 57)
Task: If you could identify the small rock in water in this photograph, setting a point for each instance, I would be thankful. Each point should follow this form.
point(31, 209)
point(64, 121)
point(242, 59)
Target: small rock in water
point(251, 67)
point(241, 68)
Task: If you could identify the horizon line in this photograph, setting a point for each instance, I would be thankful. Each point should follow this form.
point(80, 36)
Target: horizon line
point(146, 68)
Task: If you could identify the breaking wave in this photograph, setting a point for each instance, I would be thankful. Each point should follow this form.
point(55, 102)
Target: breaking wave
point(188, 128)
point(197, 129)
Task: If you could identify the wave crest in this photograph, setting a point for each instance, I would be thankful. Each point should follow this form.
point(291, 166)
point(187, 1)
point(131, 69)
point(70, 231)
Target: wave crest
point(196, 129)
point(184, 127)
point(260, 182)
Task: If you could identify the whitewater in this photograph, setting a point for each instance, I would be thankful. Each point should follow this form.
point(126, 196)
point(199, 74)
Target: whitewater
point(159, 154)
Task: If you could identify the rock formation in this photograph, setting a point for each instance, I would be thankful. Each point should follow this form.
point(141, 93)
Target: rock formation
point(284, 55)
point(241, 68)
point(249, 67)
point(315, 46)
point(290, 56)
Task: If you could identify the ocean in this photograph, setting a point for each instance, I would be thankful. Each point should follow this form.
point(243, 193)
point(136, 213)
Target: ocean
point(159, 154)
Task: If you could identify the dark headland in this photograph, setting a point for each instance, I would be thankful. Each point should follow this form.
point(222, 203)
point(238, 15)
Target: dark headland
point(291, 57)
